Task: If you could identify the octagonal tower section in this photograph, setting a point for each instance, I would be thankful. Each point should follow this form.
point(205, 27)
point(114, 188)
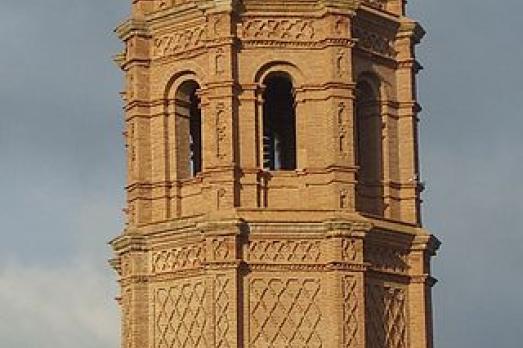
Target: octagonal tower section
point(273, 194)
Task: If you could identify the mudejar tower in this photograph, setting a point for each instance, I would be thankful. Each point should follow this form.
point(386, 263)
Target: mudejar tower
point(273, 194)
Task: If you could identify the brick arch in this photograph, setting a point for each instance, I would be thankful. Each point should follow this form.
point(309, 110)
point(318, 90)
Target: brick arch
point(373, 80)
point(380, 85)
point(274, 67)
point(173, 85)
point(178, 96)
point(369, 144)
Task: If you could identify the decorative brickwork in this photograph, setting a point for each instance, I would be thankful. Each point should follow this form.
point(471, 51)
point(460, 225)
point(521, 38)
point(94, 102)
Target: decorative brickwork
point(271, 29)
point(350, 312)
point(387, 258)
point(374, 42)
point(348, 250)
point(285, 312)
point(387, 321)
point(378, 4)
point(179, 41)
point(220, 249)
point(188, 256)
point(223, 324)
point(285, 251)
point(272, 190)
point(126, 319)
point(180, 316)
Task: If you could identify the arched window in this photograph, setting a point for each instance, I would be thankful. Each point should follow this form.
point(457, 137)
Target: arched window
point(279, 124)
point(369, 155)
point(195, 131)
point(189, 130)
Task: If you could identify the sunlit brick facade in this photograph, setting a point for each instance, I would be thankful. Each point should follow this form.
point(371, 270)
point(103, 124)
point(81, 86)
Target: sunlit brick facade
point(273, 193)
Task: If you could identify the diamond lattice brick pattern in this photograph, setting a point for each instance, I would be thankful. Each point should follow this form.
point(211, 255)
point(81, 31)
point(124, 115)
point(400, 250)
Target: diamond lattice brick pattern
point(222, 304)
point(350, 304)
point(285, 313)
point(386, 316)
point(395, 322)
point(180, 315)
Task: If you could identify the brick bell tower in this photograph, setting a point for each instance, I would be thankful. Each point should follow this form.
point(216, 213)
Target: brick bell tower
point(273, 197)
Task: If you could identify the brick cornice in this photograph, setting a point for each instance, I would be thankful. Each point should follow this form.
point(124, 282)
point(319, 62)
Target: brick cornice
point(411, 29)
point(426, 242)
point(132, 27)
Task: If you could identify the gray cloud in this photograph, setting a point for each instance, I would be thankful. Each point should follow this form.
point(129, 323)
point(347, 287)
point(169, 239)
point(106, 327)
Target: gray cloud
point(471, 150)
point(61, 122)
point(62, 169)
point(60, 307)
point(61, 172)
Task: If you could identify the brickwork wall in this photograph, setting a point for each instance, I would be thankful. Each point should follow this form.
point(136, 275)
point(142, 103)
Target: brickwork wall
point(238, 256)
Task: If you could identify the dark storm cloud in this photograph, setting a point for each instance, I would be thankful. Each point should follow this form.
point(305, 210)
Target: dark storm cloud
point(61, 171)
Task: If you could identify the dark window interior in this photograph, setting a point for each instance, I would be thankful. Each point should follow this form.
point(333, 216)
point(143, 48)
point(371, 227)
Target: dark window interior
point(195, 129)
point(279, 124)
point(369, 155)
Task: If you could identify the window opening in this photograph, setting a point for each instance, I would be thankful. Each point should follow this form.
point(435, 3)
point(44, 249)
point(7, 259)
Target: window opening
point(279, 124)
point(188, 130)
point(368, 142)
point(195, 136)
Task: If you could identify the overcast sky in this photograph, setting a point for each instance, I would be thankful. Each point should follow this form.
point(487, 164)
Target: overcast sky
point(62, 170)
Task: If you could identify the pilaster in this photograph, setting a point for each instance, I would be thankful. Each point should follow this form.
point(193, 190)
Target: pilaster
point(420, 288)
point(409, 34)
